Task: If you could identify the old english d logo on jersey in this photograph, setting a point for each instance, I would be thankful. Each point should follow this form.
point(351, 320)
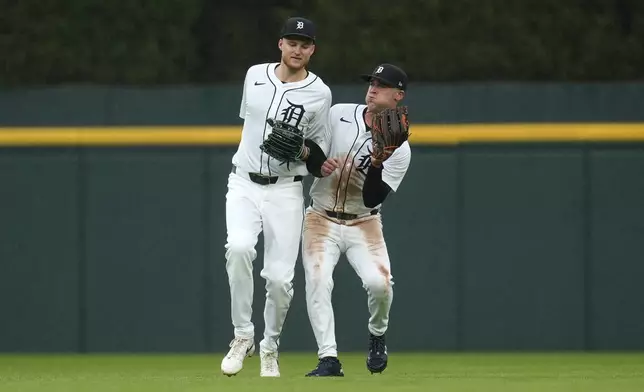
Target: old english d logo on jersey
point(364, 161)
point(293, 112)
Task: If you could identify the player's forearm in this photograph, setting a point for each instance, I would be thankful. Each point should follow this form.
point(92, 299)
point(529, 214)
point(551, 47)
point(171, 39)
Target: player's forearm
point(315, 158)
point(374, 190)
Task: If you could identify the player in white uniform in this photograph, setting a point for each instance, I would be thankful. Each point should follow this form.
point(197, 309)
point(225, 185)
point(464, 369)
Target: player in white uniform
point(344, 217)
point(266, 196)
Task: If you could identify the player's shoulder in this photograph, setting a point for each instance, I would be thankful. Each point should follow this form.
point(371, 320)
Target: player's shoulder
point(317, 80)
point(347, 106)
point(406, 147)
point(404, 151)
point(346, 109)
point(258, 69)
point(317, 83)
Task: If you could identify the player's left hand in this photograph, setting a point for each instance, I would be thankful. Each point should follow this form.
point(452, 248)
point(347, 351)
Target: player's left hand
point(390, 129)
point(329, 166)
point(383, 155)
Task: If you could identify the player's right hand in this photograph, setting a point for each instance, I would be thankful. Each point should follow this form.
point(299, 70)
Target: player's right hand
point(329, 166)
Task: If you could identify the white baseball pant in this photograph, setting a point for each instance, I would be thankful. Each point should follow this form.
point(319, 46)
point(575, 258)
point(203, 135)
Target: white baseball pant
point(277, 210)
point(362, 240)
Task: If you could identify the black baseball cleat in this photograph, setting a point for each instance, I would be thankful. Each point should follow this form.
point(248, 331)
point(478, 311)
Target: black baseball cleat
point(327, 367)
point(377, 357)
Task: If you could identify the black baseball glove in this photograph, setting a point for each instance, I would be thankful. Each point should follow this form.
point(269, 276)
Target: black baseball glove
point(389, 130)
point(285, 143)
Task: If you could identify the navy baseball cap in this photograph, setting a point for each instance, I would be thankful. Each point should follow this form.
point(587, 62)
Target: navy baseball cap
point(389, 75)
point(298, 27)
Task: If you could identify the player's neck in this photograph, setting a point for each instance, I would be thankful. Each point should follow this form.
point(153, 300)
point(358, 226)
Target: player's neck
point(290, 75)
point(368, 115)
point(368, 118)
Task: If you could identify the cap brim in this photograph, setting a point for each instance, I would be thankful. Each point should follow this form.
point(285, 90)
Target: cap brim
point(368, 78)
point(296, 35)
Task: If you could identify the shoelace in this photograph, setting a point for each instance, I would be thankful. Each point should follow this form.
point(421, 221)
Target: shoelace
point(325, 362)
point(270, 362)
point(238, 347)
point(377, 345)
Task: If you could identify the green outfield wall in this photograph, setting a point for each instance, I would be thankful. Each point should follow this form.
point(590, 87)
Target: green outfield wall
point(492, 246)
point(428, 104)
point(507, 235)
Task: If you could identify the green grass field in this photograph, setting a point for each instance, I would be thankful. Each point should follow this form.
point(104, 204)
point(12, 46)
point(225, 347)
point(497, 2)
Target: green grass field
point(406, 372)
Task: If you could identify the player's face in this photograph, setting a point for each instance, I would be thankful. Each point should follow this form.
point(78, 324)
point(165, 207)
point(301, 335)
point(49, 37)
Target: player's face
point(380, 96)
point(296, 53)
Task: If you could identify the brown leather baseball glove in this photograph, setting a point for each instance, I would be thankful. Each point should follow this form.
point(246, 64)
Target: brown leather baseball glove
point(389, 130)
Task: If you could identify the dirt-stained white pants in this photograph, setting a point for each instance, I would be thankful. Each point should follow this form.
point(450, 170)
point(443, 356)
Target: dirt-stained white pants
point(277, 210)
point(324, 240)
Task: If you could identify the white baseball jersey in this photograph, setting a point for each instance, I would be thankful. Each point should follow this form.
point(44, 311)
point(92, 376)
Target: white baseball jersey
point(304, 104)
point(351, 144)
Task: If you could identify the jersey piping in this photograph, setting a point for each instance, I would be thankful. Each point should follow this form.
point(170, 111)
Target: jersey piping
point(337, 189)
point(261, 154)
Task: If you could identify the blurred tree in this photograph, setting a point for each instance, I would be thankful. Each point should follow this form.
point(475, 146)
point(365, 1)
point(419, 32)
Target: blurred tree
point(206, 41)
point(448, 40)
point(234, 36)
point(116, 41)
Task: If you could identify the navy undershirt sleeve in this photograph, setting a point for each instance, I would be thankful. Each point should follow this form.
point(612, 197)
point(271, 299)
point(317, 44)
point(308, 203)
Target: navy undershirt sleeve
point(316, 158)
point(374, 190)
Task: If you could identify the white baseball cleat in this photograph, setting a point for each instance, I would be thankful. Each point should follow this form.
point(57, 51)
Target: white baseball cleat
point(233, 362)
point(269, 365)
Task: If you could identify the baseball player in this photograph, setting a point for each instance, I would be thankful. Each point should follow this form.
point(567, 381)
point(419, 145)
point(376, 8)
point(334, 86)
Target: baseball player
point(344, 216)
point(266, 195)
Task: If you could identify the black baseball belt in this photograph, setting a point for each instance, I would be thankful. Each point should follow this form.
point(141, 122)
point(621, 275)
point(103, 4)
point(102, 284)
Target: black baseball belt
point(262, 179)
point(347, 216)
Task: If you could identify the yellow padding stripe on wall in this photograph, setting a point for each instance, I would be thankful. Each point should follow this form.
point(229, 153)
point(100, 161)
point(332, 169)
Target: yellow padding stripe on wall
point(433, 134)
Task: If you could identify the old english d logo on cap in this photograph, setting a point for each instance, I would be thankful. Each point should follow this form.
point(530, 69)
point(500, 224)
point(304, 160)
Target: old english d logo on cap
point(389, 75)
point(298, 27)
